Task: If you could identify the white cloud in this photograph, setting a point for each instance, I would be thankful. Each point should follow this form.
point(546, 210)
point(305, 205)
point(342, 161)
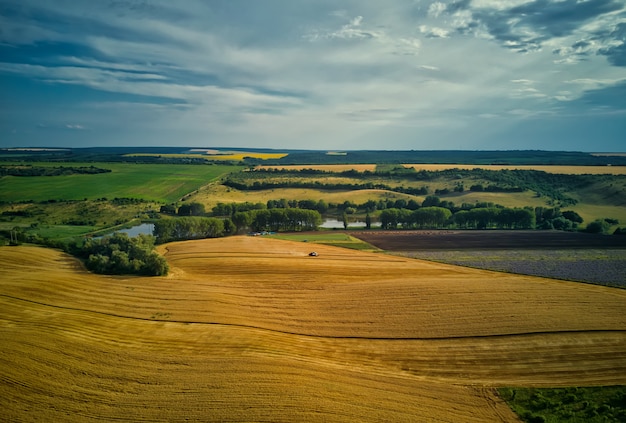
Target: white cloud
point(498, 4)
point(350, 31)
point(434, 32)
point(527, 92)
point(436, 9)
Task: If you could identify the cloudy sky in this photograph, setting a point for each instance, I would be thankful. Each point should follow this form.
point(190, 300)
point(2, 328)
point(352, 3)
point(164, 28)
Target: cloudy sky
point(314, 74)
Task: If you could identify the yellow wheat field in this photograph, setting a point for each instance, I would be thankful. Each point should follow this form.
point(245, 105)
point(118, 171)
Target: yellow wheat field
point(240, 155)
point(253, 329)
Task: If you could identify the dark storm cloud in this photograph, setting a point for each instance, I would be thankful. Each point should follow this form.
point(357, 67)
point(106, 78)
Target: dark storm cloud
point(616, 53)
point(526, 27)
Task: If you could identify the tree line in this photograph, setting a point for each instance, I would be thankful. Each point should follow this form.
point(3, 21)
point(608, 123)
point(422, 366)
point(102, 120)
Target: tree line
point(476, 218)
point(277, 219)
point(28, 170)
point(258, 220)
point(433, 212)
point(192, 227)
point(265, 185)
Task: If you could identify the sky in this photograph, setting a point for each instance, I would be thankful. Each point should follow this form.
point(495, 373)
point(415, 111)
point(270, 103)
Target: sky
point(314, 74)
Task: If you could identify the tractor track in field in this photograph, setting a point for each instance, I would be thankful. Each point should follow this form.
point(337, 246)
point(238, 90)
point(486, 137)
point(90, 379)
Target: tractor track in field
point(309, 335)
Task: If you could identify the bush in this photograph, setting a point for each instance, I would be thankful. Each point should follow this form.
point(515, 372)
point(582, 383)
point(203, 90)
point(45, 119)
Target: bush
point(191, 209)
point(119, 254)
point(573, 216)
point(599, 226)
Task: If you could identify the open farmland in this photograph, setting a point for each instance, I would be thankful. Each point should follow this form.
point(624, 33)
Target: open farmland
point(213, 194)
point(167, 182)
point(253, 329)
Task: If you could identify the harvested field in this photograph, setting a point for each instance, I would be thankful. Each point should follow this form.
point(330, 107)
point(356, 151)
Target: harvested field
point(253, 329)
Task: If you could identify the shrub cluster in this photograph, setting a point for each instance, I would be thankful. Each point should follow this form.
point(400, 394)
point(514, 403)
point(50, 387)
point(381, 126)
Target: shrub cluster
point(119, 254)
point(591, 404)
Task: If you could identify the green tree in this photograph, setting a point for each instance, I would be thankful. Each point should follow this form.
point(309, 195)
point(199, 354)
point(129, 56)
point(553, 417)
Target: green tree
point(573, 216)
point(156, 265)
point(431, 217)
point(168, 209)
point(431, 201)
point(599, 226)
point(242, 220)
point(191, 209)
point(389, 218)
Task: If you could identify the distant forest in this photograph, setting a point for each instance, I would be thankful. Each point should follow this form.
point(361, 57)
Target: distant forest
point(303, 157)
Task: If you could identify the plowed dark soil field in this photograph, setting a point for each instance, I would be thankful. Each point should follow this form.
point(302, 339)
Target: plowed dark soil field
point(496, 239)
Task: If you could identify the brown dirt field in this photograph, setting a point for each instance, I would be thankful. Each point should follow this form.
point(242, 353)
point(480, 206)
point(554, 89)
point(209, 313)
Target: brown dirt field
point(253, 329)
point(400, 240)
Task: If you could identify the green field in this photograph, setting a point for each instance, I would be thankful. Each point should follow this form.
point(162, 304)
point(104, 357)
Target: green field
point(153, 182)
point(336, 239)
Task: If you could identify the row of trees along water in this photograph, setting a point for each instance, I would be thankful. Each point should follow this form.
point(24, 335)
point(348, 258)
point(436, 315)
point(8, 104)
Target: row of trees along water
point(196, 227)
point(299, 215)
point(481, 217)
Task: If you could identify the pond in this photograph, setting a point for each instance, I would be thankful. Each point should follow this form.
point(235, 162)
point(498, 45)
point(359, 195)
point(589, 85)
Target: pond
point(338, 224)
point(144, 228)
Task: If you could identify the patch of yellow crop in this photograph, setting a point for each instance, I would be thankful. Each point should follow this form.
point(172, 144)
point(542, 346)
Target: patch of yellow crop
point(227, 155)
point(239, 155)
point(253, 329)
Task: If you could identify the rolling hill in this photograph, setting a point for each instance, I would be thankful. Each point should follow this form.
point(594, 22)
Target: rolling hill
point(253, 329)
